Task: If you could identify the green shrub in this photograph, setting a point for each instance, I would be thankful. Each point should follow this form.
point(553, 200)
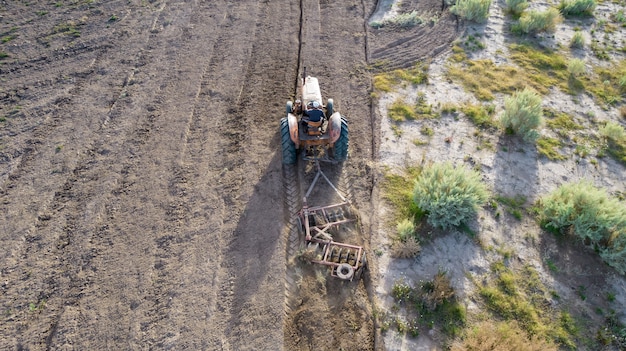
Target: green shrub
point(516, 7)
point(472, 10)
point(400, 111)
point(622, 82)
point(593, 216)
point(576, 67)
point(406, 229)
point(523, 114)
point(409, 19)
point(405, 20)
point(613, 132)
point(449, 195)
point(538, 21)
point(615, 140)
point(578, 40)
point(577, 7)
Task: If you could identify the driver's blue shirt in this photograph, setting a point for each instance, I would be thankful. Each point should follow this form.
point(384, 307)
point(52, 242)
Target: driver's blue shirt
point(315, 115)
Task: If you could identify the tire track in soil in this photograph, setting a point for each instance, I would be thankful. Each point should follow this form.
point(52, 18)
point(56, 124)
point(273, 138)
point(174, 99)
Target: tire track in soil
point(52, 118)
point(154, 310)
point(50, 79)
point(229, 145)
point(40, 241)
point(254, 259)
point(153, 323)
point(179, 248)
point(332, 314)
point(404, 47)
point(68, 202)
point(203, 136)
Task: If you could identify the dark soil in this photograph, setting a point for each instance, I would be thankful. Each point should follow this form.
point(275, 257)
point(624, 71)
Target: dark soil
point(141, 188)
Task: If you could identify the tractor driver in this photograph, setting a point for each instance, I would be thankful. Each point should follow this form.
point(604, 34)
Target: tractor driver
point(314, 112)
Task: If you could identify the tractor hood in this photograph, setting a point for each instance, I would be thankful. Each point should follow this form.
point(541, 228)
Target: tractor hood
point(311, 90)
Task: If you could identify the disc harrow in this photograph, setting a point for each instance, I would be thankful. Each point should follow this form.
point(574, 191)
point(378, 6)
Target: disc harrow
point(320, 223)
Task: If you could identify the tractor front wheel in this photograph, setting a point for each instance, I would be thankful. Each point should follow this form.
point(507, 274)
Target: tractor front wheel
point(330, 108)
point(288, 146)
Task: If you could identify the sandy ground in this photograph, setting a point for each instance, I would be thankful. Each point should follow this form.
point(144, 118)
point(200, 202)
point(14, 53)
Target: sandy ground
point(141, 191)
point(517, 171)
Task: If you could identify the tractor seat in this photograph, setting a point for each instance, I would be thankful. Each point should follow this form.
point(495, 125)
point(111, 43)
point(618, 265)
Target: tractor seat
point(314, 128)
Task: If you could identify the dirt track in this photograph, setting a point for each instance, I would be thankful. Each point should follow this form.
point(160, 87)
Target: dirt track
point(140, 181)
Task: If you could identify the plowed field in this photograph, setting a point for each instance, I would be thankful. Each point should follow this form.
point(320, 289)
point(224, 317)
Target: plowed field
point(141, 185)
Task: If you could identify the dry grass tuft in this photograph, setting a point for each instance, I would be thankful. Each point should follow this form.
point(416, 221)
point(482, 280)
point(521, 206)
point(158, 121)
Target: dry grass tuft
point(408, 248)
point(308, 255)
point(500, 337)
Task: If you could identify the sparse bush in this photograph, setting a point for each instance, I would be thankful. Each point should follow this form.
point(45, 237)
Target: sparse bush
point(619, 17)
point(450, 195)
point(398, 193)
point(519, 297)
point(549, 148)
point(523, 114)
point(427, 131)
point(536, 21)
point(593, 216)
point(578, 40)
point(576, 67)
point(577, 7)
point(401, 291)
point(422, 108)
point(516, 7)
point(401, 77)
point(503, 336)
point(472, 10)
point(438, 291)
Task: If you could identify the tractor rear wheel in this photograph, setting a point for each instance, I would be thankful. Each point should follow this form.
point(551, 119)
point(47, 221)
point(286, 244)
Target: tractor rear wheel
point(340, 150)
point(288, 146)
point(345, 271)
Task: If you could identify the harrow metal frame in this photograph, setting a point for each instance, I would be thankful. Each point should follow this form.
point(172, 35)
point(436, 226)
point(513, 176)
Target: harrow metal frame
point(317, 235)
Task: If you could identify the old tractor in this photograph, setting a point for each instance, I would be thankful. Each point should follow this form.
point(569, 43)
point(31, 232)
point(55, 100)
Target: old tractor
point(312, 128)
point(321, 134)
